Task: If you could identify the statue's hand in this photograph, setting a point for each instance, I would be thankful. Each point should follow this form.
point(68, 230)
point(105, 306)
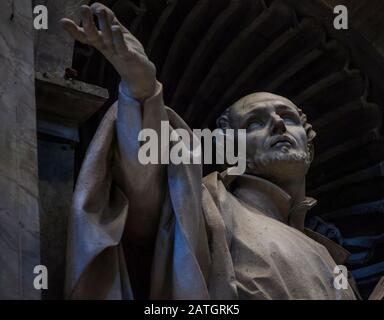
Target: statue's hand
point(119, 46)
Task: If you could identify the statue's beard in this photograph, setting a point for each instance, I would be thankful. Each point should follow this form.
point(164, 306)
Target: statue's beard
point(279, 164)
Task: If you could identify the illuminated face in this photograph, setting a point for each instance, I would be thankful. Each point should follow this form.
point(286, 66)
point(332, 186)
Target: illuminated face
point(277, 143)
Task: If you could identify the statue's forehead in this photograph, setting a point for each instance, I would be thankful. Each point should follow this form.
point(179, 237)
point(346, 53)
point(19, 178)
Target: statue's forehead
point(261, 99)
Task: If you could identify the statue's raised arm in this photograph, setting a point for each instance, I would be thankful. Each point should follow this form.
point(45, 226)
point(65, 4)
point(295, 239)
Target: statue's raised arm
point(139, 106)
point(124, 217)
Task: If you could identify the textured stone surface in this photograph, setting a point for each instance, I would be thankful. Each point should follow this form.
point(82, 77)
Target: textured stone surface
point(56, 161)
point(53, 46)
point(67, 102)
point(62, 105)
point(19, 220)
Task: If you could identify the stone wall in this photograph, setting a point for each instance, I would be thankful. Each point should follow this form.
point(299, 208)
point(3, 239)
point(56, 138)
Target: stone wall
point(54, 47)
point(19, 210)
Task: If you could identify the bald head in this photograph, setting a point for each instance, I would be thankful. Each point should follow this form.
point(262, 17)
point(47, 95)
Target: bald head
point(261, 97)
point(229, 118)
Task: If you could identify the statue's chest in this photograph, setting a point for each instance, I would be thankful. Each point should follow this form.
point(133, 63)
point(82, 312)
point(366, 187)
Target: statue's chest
point(273, 260)
point(263, 238)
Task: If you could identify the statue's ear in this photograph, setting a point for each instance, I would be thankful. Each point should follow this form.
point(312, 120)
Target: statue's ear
point(222, 124)
point(219, 140)
point(311, 149)
point(311, 134)
point(223, 121)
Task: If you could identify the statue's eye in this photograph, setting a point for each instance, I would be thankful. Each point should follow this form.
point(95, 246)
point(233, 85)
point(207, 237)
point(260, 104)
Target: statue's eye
point(255, 124)
point(289, 119)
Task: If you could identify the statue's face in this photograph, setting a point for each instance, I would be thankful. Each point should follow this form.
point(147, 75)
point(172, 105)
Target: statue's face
point(277, 143)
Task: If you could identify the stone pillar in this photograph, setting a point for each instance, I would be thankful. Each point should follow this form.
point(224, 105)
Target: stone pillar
point(63, 104)
point(19, 210)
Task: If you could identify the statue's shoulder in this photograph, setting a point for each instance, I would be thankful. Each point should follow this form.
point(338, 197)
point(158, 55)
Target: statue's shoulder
point(211, 180)
point(222, 177)
point(217, 182)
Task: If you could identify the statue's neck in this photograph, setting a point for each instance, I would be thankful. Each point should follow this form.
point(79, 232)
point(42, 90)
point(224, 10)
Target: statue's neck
point(285, 202)
point(294, 187)
point(262, 194)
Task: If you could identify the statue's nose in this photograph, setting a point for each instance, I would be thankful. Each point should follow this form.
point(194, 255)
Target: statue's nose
point(278, 125)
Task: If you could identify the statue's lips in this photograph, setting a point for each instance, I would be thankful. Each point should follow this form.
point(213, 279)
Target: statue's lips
point(282, 141)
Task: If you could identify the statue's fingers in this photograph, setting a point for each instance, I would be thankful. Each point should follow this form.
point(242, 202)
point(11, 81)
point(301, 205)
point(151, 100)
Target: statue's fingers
point(110, 18)
point(106, 30)
point(93, 35)
point(74, 30)
point(97, 7)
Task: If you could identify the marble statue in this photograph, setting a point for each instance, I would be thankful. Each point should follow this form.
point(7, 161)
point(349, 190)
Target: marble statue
point(165, 232)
